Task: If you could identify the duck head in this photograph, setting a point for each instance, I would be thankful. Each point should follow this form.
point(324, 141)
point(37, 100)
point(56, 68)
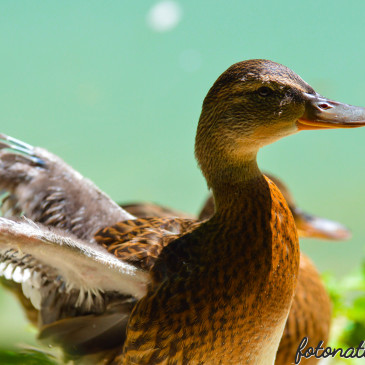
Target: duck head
point(252, 104)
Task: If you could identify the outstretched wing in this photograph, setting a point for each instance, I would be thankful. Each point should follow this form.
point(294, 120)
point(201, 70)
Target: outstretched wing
point(47, 190)
point(49, 264)
point(84, 293)
point(78, 292)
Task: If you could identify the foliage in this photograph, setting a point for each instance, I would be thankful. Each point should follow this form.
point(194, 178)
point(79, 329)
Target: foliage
point(25, 357)
point(348, 298)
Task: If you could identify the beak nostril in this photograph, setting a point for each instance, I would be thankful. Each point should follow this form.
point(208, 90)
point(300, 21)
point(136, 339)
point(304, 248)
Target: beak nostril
point(325, 106)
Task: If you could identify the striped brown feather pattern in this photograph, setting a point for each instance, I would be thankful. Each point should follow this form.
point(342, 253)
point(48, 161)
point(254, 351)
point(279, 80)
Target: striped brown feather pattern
point(310, 314)
point(215, 287)
point(140, 241)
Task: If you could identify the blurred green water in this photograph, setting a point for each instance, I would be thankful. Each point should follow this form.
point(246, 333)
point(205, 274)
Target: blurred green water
point(94, 83)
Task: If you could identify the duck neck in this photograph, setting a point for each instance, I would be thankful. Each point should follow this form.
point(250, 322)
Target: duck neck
point(236, 184)
point(228, 162)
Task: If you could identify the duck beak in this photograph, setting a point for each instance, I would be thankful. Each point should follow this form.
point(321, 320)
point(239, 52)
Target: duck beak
point(322, 113)
point(316, 227)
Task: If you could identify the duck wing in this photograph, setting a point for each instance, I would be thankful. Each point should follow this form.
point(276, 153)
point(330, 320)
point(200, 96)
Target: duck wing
point(80, 294)
point(136, 242)
point(46, 261)
point(45, 189)
point(83, 294)
point(139, 242)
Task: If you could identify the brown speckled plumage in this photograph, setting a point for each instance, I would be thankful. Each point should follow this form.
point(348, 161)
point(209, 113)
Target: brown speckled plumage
point(140, 241)
point(237, 288)
point(310, 313)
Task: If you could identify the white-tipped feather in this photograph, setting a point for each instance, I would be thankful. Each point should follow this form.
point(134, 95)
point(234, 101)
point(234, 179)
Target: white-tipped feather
point(2, 267)
point(26, 288)
point(18, 275)
point(28, 253)
point(81, 297)
point(35, 298)
point(26, 274)
point(8, 272)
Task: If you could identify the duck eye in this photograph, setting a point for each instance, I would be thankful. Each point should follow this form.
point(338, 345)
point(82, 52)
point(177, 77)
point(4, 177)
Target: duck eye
point(264, 91)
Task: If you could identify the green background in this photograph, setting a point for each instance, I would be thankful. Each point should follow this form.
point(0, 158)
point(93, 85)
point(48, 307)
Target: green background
point(94, 83)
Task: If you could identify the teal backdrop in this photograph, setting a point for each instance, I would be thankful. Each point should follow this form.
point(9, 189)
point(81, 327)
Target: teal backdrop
point(115, 88)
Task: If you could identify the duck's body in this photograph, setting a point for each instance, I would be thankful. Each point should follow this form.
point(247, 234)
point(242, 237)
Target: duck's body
point(217, 294)
point(310, 313)
point(230, 279)
point(314, 310)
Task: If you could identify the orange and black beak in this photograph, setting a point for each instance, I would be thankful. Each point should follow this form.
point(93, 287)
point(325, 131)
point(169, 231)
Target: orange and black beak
point(322, 113)
point(316, 227)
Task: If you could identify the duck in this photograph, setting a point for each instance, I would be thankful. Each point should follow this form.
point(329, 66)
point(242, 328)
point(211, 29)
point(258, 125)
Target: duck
point(221, 291)
point(311, 309)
